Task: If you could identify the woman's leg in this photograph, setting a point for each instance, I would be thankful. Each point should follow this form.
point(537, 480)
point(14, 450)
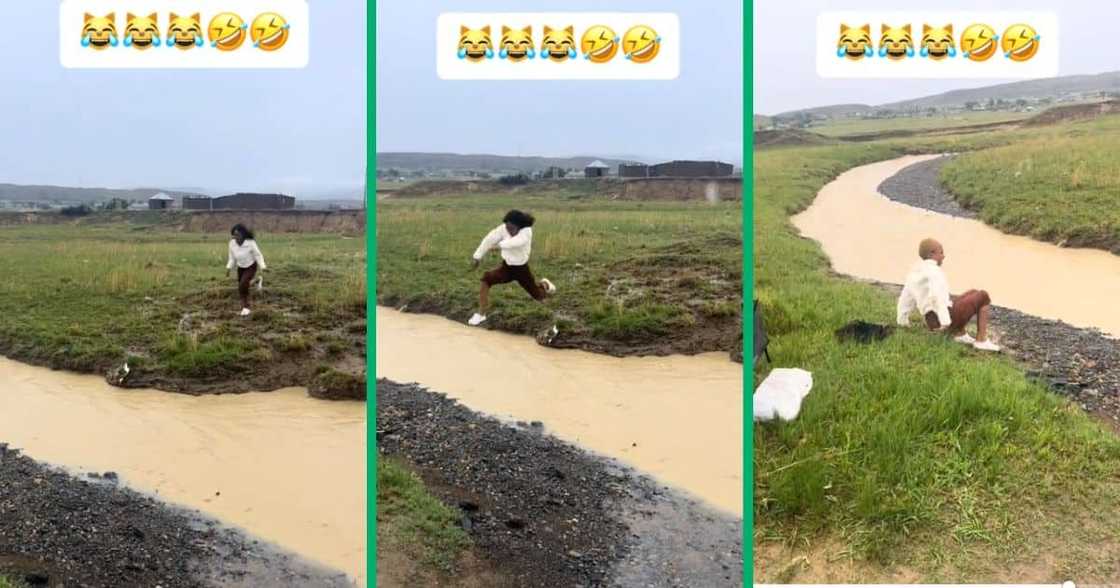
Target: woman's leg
point(244, 284)
point(974, 303)
point(484, 298)
point(525, 279)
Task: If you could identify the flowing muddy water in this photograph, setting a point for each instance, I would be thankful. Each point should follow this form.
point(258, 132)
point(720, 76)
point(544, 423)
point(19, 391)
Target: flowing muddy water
point(869, 236)
point(283, 466)
point(677, 418)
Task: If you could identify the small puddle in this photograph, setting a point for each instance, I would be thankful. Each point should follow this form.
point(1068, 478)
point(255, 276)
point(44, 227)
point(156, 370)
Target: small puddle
point(677, 418)
point(868, 236)
point(285, 467)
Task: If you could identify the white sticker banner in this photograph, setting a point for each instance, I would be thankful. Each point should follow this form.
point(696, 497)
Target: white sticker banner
point(558, 46)
point(926, 44)
point(205, 34)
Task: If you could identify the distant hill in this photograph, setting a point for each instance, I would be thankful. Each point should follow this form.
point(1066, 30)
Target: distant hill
point(832, 111)
point(1027, 89)
point(482, 162)
point(18, 193)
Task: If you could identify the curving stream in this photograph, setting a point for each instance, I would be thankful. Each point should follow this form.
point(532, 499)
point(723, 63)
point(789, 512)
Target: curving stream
point(283, 466)
point(677, 418)
point(869, 236)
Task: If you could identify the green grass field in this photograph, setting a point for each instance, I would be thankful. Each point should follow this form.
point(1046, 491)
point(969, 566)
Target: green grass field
point(87, 297)
point(863, 126)
point(1058, 184)
point(633, 277)
point(7, 582)
point(914, 452)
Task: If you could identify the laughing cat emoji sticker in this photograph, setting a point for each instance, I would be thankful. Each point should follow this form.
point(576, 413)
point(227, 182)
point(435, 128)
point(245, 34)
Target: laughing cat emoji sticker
point(142, 32)
point(855, 43)
point(517, 44)
point(937, 43)
point(896, 43)
point(558, 44)
point(185, 32)
point(474, 44)
point(100, 32)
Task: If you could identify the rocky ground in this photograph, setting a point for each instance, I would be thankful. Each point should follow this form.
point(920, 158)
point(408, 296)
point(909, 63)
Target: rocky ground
point(57, 530)
point(545, 513)
point(1081, 364)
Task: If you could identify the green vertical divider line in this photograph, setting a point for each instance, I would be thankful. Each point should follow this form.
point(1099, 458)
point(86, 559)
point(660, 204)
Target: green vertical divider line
point(371, 294)
point(748, 292)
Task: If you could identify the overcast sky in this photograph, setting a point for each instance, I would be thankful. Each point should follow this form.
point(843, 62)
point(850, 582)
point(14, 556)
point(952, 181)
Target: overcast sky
point(299, 131)
point(698, 115)
point(785, 74)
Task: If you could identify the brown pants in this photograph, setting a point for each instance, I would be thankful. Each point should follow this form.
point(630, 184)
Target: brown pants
point(521, 274)
point(245, 277)
point(964, 307)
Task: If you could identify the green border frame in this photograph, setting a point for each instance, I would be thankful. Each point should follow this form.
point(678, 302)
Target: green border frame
point(371, 291)
point(748, 292)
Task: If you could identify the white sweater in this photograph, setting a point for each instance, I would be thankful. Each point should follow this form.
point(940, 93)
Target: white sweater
point(515, 249)
point(245, 254)
point(926, 290)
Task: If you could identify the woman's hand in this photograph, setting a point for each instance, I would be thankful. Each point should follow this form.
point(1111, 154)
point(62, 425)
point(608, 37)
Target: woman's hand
point(474, 263)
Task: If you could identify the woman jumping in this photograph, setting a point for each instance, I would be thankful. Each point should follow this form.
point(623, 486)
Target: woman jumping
point(244, 253)
point(514, 237)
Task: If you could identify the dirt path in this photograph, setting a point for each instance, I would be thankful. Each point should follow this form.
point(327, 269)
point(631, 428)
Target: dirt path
point(677, 418)
point(545, 513)
point(285, 467)
point(58, 530)
point(869, 236)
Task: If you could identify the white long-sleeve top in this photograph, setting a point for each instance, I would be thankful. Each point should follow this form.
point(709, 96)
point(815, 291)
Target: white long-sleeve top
point(926, 290)
point(515, 248)
point(245, 254)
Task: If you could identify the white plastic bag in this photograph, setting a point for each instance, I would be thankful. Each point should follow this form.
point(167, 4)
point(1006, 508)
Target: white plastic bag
point(781, 393)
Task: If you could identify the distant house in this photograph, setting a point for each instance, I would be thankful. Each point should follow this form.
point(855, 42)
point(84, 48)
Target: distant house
point(253, 201)
point(633, 170)
point(160, 201)
point(198, 203)
point(596, 169)
point(691, 169)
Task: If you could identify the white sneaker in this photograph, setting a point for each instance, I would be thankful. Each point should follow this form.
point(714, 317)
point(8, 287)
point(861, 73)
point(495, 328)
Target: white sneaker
point(476, 320)
point(965, 338)
point(986, 346)
point(548, 286)
point(245, 312)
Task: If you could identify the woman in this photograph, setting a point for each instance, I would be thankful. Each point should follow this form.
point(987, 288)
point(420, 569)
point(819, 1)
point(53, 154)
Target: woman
point(244, 253)
point(514, 237)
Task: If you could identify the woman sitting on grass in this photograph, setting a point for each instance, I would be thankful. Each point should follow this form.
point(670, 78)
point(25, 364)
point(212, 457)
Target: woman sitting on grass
point(244, 253)
point(514, 237)
point(927, 290)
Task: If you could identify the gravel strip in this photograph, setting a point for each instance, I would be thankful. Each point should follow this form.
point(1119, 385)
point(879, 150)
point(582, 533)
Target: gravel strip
point(59, 530)
point(919, 185)
point(546, 513)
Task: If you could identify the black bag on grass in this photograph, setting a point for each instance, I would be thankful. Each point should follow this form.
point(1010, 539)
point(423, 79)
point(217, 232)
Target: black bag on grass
point(760, 339)
point(863, 332)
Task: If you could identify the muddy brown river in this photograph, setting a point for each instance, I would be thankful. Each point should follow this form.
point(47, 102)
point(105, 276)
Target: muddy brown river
point(285, 467)
point(869, 236)
point(678, 419)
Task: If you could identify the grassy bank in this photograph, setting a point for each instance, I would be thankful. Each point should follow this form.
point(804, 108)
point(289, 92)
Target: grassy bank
point(8, 582)
point(1056, 184)
point(913, 453)
point(418, 537)
point(89, 297)
point(866, 126)
point(633, 277)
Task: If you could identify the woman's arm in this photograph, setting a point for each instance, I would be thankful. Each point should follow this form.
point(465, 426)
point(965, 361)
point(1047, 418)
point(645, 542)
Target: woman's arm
point(229, 264)
point(258, 256)
point(488, 242)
